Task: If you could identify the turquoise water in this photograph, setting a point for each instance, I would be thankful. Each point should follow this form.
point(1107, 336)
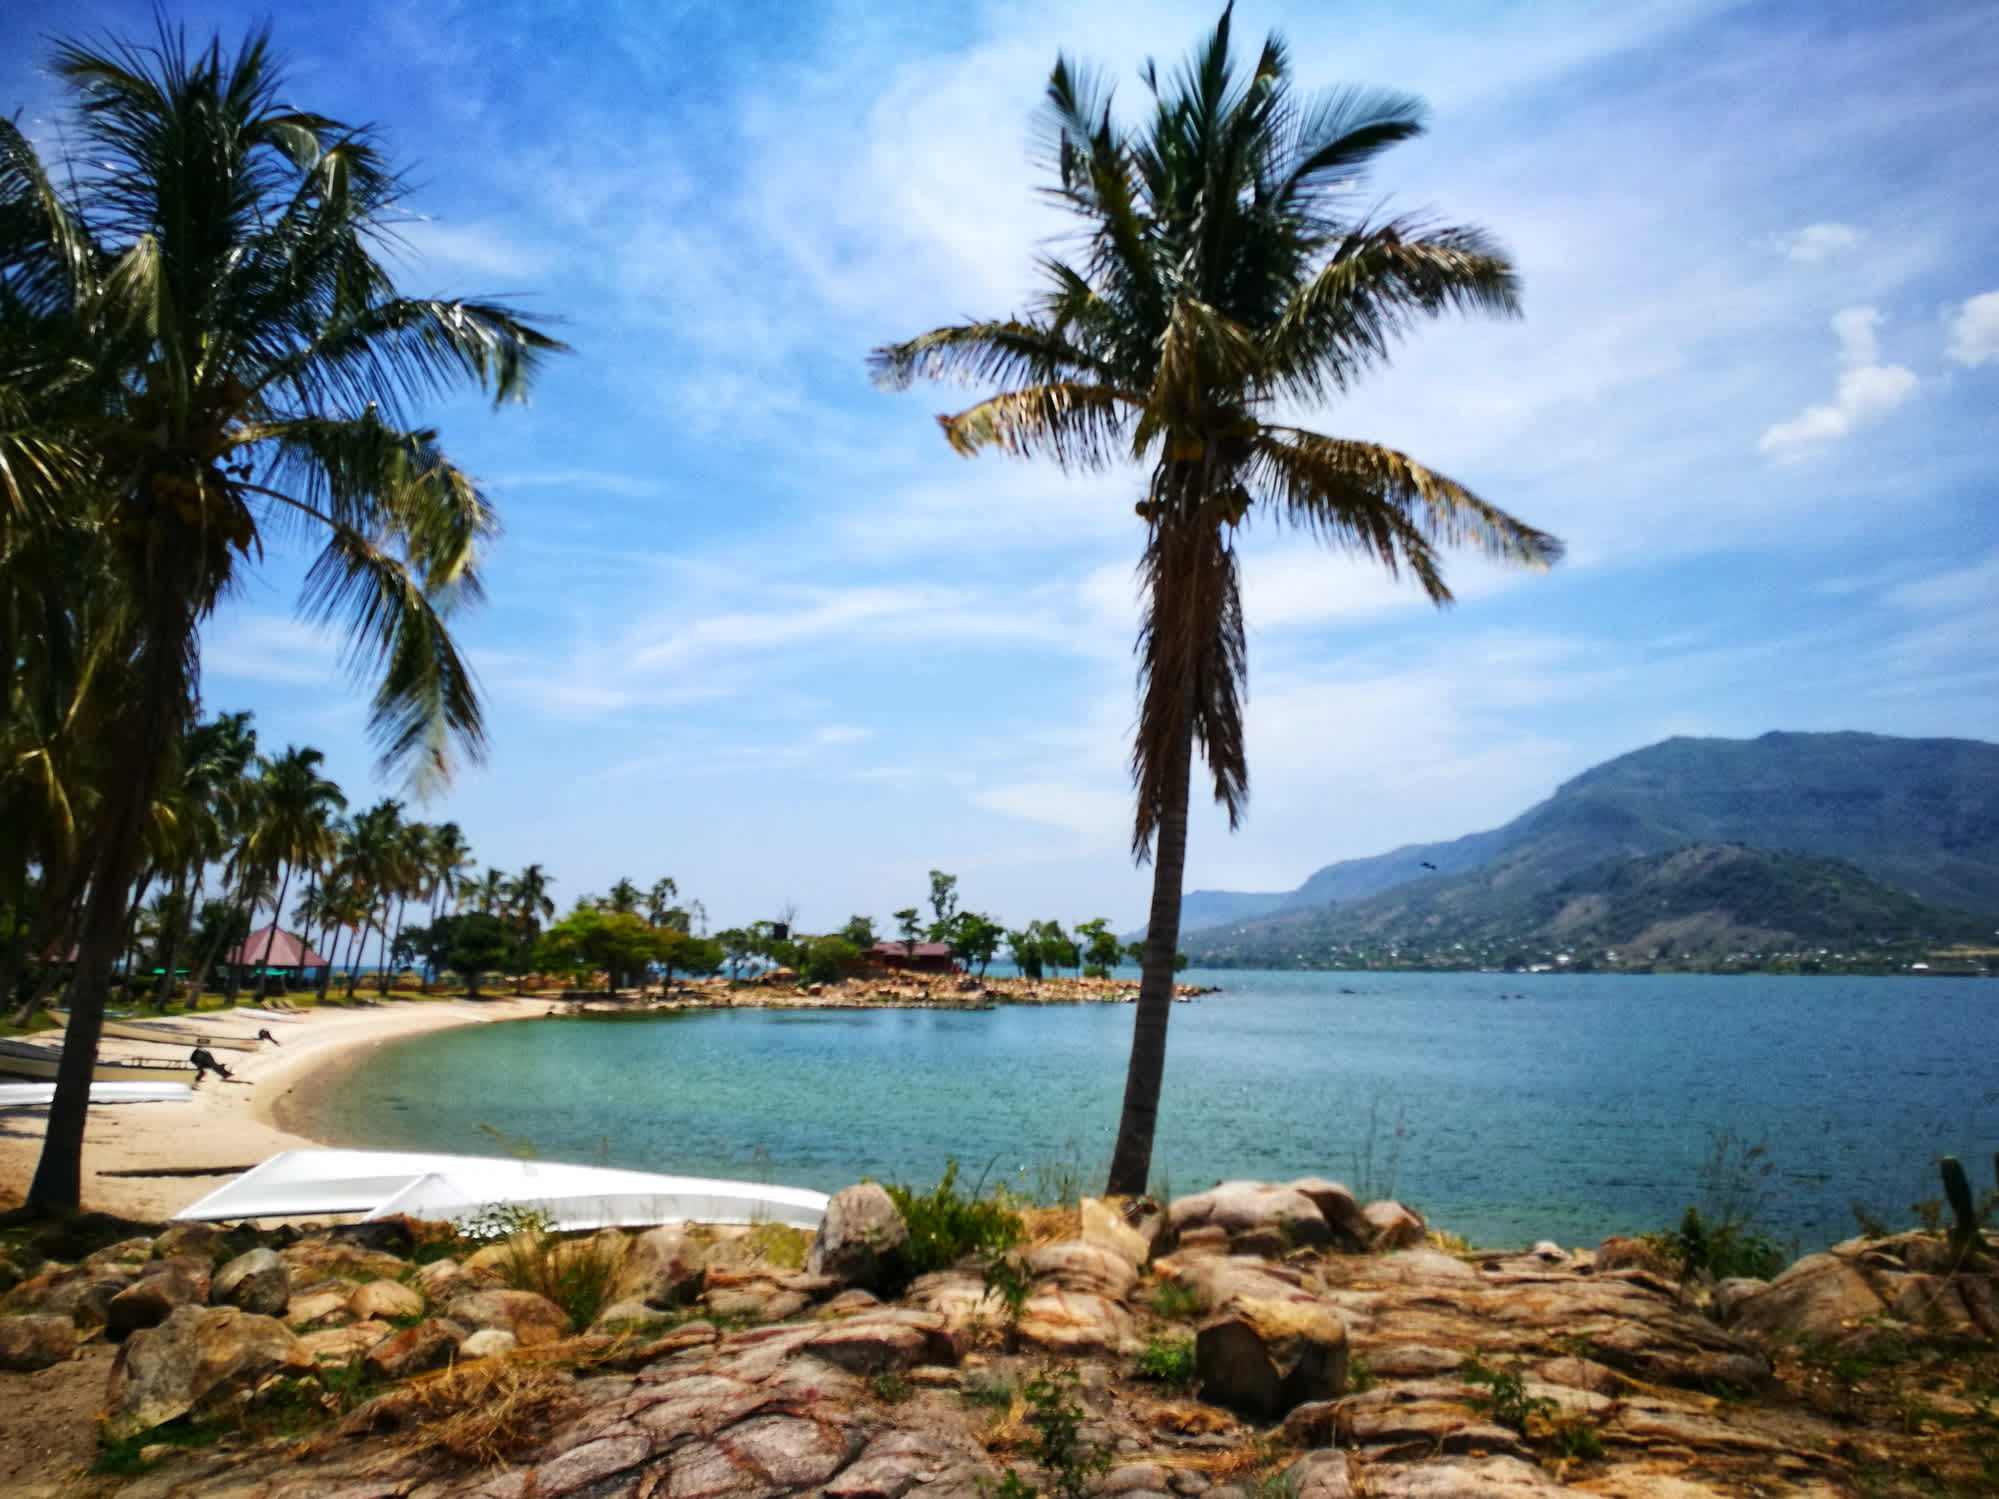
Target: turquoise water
point(1528, 1106)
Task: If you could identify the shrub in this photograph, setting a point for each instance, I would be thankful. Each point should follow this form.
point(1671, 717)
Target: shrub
point(575, 1274)
point(1168, 1360)
point(944, 1227)
point(1175, 1299)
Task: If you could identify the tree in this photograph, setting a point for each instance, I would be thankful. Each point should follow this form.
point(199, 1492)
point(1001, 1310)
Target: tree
point(943, 901)
point(623, 899)
point(205, 259)
point(860, 930)
point(738, 947)
point(910, 923)
point(826, 958)
point(974, 939)
point(1025, 948)
point(295, 827)
point(1227, 274)
point(1101, 949)
point(660, 902)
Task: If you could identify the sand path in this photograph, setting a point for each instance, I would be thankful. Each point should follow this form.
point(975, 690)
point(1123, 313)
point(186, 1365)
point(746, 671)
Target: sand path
point(229, 1124)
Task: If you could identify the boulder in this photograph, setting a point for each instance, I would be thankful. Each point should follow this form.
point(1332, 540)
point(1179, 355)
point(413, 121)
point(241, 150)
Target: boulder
point(1265, 1357)
point(35, 1341)
point(257, 1281)
point(1078, 1265)
point(531, 1318)
point(384, 1300)
point(340, 1346)
point(1821, 1295)
point(151, 1299)
point(317, 1259)
point(1104, 1225)
point(1076, 1322)
point(83, 1296)
point(631, 1316)
point(194, 1361)
point(319, 1308)
point(488, 1342)
point(1395, 1227)
point(860, 1239)
point(662, 1268)
point(1352, 1233)
point(1323, 1474)
point(200, 1240)
point(1258, 1217)
point(440, 1279)
point(882, 1342)
point(128, 1253)
point(848, 1304)
point(431, 1344)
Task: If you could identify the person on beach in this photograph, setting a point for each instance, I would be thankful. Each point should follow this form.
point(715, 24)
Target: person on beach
point(205, 1063)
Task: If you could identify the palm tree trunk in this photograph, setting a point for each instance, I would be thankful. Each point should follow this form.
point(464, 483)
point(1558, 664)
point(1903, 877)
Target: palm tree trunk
point(236, 969)
point(170, 944)
point(277, 913)
point(1131, 1160)
point(15, 963)
point(58, 1182)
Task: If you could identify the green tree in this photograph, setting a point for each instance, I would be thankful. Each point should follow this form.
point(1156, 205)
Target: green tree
point(1230, 271)
point(1101, 949)
point(974, 939)
point(943, 901)
point(826, 958)
point(860, 930)
point(624, 898)
point(738, 947)
point(619, 942)
point(1058, 948)
point(909, 922)
point(205, 257)
point(1024, 947)
point(295, 827)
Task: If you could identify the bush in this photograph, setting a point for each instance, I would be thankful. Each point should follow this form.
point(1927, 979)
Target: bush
point(1168, 1360)
point(945, 1227)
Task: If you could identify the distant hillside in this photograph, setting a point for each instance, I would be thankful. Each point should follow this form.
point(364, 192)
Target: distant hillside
point(1697, 904)
point(1921, 815)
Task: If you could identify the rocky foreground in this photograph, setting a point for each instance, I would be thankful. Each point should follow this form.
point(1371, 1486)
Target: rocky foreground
point(1252, 1342)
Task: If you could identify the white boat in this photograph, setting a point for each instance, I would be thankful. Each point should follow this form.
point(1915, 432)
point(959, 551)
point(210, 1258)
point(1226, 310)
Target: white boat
point(41, 1095)
point(25, 1059)
point(451, 1188)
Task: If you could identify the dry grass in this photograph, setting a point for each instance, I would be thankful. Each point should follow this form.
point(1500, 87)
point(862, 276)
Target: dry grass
point(486, 1412)
point(1049, 1226)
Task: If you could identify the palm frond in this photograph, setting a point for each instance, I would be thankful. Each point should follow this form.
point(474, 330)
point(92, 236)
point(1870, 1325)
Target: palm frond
point(1005, 352)
point(1383, 503)
point(1078, 425)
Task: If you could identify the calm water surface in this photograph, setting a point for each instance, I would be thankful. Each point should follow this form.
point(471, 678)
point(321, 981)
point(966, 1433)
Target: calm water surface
point(1509, 1107)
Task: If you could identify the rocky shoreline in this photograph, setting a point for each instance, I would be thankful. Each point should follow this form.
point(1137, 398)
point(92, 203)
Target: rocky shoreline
point(784, 990)
point(1250, 1341)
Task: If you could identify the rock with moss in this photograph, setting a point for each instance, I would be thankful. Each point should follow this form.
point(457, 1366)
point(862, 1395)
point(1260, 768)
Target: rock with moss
point(35, 1341)
point(255, 1281)
point(195, 1361)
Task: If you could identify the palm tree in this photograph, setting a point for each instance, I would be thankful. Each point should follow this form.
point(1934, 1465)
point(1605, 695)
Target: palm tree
point(488, 893)
point(1223, 276)
point(373, 858)
point(296, 828)
point(450, 858)
point(624, 898)
point(660, 900)
point(212, 259)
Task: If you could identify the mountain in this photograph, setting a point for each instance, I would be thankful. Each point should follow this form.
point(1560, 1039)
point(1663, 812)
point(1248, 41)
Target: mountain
point(1920, 815)
point(1696, 905)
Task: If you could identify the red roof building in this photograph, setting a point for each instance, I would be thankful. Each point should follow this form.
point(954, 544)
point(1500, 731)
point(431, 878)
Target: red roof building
point(287, 952)
point(930, 957)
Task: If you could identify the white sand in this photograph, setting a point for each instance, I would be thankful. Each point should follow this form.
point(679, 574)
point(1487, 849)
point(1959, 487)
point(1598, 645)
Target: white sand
point(233, 1124)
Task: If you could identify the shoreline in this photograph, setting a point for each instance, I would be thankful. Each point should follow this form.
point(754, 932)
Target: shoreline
point(229, 1126)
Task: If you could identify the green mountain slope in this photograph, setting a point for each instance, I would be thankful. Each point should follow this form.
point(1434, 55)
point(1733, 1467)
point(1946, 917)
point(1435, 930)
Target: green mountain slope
point(1919, 815)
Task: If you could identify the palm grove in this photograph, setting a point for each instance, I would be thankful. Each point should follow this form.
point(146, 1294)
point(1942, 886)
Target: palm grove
point(202, 351)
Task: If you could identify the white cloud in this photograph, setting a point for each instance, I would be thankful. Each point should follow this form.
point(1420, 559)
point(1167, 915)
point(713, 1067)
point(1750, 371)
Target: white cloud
point(1974, 334)
point(272, 648)
point(1816, 242)
point(1867, 390)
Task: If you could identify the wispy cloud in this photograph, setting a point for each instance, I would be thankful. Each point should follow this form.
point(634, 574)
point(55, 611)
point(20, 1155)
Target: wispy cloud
point(1868, 390)
point(1816, 242)
point(1974, 332)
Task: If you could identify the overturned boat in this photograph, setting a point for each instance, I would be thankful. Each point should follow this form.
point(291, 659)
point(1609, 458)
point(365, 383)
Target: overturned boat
point(453, 1188)
point(25, 1059)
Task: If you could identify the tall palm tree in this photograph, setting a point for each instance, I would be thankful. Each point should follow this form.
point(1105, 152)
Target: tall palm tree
point(488, 893)
point(374, 860)
point(212, 258)
point(1224, 275)
point(624, 897)
point(450, 858)
point(661, 899)
point(296, 827)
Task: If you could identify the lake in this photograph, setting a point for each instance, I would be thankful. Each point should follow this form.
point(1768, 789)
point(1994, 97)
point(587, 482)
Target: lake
point(1508, 1107)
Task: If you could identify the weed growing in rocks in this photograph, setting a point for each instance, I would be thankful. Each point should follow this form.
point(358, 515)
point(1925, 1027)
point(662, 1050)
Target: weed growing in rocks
point(1008, 1279)
point(944, 1226)
point(1360, 1374)
point(891, 1389)
point(1535, 1417)
point(1168, 1360)
point(991, 1392)
point(1056, 1416)
point(1175, 1300)
point(575, 1274)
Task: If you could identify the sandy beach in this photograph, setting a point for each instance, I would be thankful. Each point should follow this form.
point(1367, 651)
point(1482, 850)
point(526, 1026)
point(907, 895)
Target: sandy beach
point(229, 1125)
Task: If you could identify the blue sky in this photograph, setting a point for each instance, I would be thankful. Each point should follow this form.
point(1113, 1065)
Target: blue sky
point(752, 624)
